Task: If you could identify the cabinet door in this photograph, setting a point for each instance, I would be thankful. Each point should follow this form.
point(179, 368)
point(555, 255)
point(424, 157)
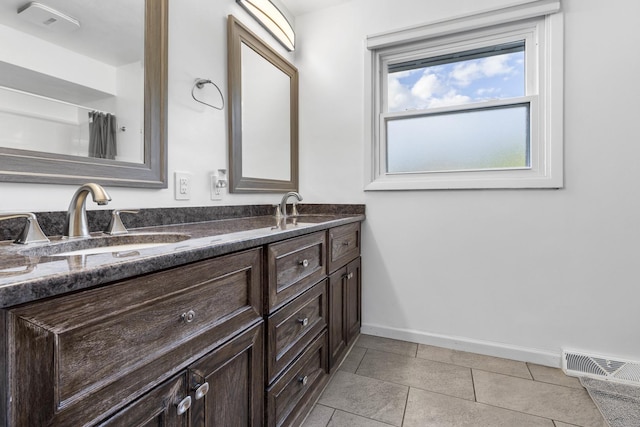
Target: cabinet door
point(337, 300)
point(344, 309)
point(164, 406)
point(353, 305)
point(227, 384)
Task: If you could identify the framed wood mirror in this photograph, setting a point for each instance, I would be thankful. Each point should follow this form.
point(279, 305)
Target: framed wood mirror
point(45, 165)
point(263, 115)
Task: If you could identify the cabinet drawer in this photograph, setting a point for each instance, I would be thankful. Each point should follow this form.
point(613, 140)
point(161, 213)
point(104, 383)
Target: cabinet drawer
point(293, 327)
point(344, 245)
point(98, 347)
point(294, 266)
point(296, 390)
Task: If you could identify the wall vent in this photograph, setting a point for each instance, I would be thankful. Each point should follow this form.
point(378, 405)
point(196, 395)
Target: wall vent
point(578, 364)
point(48, 17)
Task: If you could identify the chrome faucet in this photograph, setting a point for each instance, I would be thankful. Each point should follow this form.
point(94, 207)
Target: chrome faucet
point(76, 223)
point(283, 204)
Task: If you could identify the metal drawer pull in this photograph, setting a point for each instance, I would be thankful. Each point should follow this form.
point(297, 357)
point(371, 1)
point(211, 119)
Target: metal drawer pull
point(202, 391)
point(184, 405)
point(304, 322)
point(346, 243)
point(303, 380)
point(304, 263)
point(189, 316)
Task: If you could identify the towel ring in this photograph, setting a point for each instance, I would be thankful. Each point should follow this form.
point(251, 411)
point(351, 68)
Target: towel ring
point(199, 83)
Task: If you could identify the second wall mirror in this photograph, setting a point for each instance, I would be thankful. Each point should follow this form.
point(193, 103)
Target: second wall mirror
point(263, 115)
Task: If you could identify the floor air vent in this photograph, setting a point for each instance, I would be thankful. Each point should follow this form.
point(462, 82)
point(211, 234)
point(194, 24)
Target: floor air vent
point(579, 364)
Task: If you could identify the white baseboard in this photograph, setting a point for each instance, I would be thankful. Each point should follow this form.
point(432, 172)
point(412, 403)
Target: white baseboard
point(489, 348)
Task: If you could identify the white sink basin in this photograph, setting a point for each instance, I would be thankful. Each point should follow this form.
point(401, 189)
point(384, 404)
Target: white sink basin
point(105, 244)
point(114, 248)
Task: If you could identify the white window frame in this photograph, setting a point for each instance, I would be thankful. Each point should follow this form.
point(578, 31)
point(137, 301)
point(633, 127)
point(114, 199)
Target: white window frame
point(539, 23)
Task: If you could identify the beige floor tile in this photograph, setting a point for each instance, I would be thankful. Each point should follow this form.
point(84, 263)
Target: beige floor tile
point(353, 359)
point(344, 419)
point(386, 344)
point(435, 410)
point(368, 397)
point(420, 373)
point(552, 401)
point(319, 416)
point(561, 424)
point(553, 376)
point(472, 360)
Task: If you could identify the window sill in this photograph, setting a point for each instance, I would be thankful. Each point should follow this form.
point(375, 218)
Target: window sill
point(505, 179)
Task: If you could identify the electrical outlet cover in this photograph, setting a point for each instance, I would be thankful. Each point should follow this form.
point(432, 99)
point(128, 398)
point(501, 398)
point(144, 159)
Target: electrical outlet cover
point(182, 185)
point(216, 193)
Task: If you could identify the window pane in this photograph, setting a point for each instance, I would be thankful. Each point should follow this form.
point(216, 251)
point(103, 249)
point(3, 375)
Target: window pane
point(472, 140)
point(478, 75)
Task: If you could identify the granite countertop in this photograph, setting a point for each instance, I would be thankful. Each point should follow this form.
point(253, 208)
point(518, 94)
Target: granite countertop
point(28, 274)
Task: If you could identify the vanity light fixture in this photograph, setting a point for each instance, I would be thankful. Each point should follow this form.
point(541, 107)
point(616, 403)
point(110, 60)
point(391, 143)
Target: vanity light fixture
point(272, 19)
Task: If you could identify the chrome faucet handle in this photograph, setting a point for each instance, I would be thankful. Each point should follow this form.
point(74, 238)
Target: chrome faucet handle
point(116, 226)
point(32, 233)
point(294, 209)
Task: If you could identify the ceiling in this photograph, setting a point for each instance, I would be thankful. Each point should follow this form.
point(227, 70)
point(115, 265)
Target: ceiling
point(110, 31)
point(301, 7)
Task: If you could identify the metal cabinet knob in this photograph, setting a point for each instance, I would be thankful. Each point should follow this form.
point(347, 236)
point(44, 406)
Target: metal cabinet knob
point(202, 390)
point(345, 243)
point(304, 322)
point(303, 380)
point(188, 316)
point(304, 263)
point(184, 405)
point(350, 276)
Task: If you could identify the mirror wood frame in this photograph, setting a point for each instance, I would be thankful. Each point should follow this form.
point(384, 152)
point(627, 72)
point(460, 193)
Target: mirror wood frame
point(238, 183)
point(48, 168)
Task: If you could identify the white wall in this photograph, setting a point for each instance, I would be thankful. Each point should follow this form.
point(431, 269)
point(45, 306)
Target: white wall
point(512, 273)
point(39, 56)
point(30, 123)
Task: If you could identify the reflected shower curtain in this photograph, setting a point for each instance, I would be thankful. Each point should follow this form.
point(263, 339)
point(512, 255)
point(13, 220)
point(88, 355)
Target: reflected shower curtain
point(102, 135)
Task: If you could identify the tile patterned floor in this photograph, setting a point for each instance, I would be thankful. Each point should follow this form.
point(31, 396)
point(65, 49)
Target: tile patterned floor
point(385, 382)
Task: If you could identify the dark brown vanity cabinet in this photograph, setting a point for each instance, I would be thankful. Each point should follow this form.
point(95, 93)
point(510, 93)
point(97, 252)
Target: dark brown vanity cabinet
point(345, 287)
point(149, 341)
point(245, 339)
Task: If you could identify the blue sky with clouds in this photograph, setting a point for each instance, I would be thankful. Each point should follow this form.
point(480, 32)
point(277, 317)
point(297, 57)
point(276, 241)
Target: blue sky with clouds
point(464, 82)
